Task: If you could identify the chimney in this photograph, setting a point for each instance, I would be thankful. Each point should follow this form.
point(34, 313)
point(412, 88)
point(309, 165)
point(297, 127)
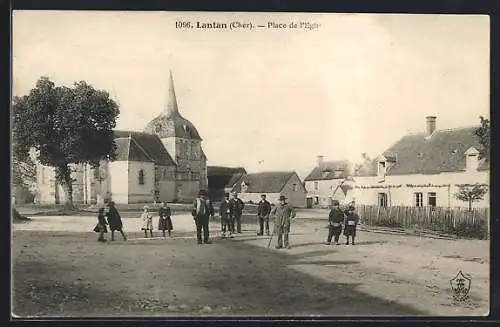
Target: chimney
point(431, 124)
point(319, 160)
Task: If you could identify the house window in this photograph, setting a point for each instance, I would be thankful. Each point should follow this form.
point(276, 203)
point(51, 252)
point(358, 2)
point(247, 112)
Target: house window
point(294, 187)
point(96, 173)
point(431, 199)
point(382, 199)
point(316, 200)
point(316, 186)
point(141, 177)
point(325, 174)
point(419, 199)
point(381, 168)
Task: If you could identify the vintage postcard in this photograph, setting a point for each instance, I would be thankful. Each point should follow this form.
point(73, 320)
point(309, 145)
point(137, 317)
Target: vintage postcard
point(250, 164)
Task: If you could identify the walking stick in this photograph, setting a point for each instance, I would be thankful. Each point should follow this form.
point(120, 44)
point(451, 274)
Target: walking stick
point(274, 230)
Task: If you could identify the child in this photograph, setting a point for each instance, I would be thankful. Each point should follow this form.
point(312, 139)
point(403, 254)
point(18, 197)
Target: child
point(147, 222)
point(165, 222)
point(335, 220)
point(351, 221)
point(101, 225)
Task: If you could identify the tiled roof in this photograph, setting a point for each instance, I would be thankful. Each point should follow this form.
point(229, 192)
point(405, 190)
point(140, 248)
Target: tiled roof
point(218, 170)
point(444, 151)
point(224, 177)
point(267, 182)
point(137, 146)
point(330, 170)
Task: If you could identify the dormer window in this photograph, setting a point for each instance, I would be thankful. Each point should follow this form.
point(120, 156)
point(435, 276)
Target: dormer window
point(244, 187)
point(381, 168)
point(472, 159)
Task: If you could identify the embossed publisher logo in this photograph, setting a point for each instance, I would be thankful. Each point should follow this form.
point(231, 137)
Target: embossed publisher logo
point(460, 287)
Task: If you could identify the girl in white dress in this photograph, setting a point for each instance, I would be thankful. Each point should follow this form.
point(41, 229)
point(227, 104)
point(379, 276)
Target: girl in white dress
point(147, 222)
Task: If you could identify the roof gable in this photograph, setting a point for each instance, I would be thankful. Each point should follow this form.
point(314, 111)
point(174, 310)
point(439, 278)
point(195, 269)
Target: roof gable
point(267, 182)
point(137, 146)
point(444, 151)
point(330, 170)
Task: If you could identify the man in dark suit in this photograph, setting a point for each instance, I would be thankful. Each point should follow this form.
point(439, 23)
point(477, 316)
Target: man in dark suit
point(236, 210)
point(202, 211)
point(263, 211)
point(225, 214)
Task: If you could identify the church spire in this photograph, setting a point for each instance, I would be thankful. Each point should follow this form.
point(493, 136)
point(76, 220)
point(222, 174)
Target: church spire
point(171, 107)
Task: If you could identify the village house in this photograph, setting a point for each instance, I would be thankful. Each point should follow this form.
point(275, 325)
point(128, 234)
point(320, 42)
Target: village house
point(424, 169)
point(272, 184)
point(165, 162)
point(223, 180)
point(327, 182)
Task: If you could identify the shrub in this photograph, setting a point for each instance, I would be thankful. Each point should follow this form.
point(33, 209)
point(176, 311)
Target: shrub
point(468, 230)
point(388, 222)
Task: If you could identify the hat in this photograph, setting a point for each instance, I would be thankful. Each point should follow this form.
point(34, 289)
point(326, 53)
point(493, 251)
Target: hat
point(282, 198)
point(145, 207)
point(335, 203)
point(263, 195)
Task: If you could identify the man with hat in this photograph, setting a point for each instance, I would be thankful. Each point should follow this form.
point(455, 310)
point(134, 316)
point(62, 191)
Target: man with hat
point(335, 220)
point(202, 211)
point(283, 214)
point(236, 210)
point(225, 214)
point(263, 211)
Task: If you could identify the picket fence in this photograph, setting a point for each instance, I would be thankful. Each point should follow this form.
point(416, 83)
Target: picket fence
point(425, 218)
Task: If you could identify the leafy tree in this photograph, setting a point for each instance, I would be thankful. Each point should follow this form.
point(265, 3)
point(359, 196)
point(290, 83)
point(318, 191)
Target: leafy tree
point(65, 126)
point(483, 133)
point(471, 193)
point(23, 172)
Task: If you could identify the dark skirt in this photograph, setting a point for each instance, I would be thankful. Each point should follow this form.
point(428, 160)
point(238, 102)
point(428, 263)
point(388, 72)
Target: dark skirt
point(100, 228)
point(336, 230)
point(165, 224)
point(350, 230)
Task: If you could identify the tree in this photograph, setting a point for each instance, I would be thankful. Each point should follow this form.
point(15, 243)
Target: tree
point(471, 193)
point(23, 172)
point(65, 126)
point(483, 133)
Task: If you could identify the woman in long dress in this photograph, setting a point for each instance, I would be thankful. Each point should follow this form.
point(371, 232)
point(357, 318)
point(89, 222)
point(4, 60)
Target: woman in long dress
point(165, 221)
point(114, 221)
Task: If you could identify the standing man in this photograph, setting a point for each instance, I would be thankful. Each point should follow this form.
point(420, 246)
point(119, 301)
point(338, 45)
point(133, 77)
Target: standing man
point(202, 211)
point(225, 215)
point(283, 215)
point(263, 212)
point(335, 220)
point(236, 209)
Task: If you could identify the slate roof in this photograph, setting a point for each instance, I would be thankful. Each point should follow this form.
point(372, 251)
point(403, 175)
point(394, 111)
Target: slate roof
point(266, 182)
point(219, 170)
point(137, 146)
point(173, 126)
point(327, 170)
point(444, 151)
point(224, 177)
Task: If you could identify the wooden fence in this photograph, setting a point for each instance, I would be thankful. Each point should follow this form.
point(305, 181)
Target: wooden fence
point(447, 220)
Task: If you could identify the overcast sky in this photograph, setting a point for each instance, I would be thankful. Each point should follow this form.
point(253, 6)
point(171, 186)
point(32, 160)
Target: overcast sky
point(356, 84)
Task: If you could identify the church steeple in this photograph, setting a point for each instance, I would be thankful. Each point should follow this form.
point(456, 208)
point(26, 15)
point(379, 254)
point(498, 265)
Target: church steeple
point(171, 107)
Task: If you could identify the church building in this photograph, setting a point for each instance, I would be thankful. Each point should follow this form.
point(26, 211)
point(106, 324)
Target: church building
point(165, 162)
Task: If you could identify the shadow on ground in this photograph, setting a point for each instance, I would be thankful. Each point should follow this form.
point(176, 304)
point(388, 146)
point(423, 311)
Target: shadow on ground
point(224, 278)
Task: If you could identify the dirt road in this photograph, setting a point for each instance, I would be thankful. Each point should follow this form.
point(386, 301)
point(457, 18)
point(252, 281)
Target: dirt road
point(60, 270)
